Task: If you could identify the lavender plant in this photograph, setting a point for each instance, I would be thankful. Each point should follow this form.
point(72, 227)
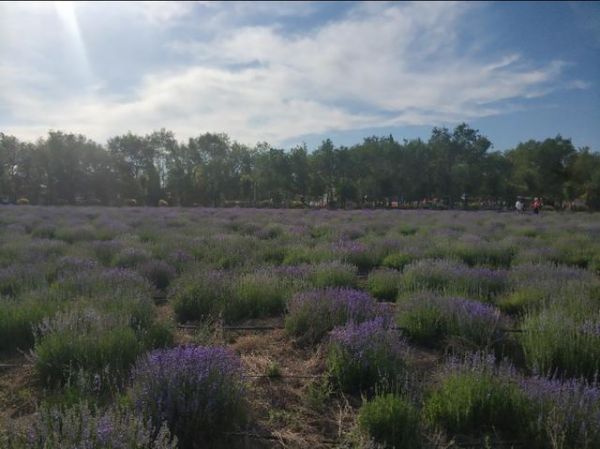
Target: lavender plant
point(563, 342)
point(131, 257)
point(257, 294)
point(453, 278)
point(366, 355)
point(397, 260)
point(475, 397)
point(157, 272)
point(391, 421)
point(197, 295)
point(333, 274)
point(383, 283)
point(90, 340)
point(18, 317)
point(198, 391)
point(431, 319)
point(313, 313)
point(565, 413)
point(85, 427)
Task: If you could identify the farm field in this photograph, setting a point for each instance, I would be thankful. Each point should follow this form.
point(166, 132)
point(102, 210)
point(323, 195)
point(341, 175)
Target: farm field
point(252, 328)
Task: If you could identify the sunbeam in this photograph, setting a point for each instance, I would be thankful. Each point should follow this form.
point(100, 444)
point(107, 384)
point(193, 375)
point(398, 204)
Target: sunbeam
point(67, 15)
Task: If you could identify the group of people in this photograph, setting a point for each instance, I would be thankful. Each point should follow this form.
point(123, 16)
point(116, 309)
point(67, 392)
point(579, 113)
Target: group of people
point(536, 205)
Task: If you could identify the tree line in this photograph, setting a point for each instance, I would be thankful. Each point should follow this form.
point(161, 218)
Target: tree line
point(213, 170)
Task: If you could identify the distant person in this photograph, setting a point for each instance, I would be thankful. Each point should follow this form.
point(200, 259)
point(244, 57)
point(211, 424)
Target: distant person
point(536, 205)
point(519, 206)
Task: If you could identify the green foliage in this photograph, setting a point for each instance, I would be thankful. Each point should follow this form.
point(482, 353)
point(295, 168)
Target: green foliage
point(490, 254)
point(521, 300)
point(317, 395)
point(84, 426)
point(257, 295)
point(333, 274)
point(199, 295)
point(212, 170)
point(397, 261)
point(391, 421)
point(19, 317)
point(563, 341)
point(62, 354)
point(76, 234)
point(273, 370)
point(433, 320)
point(450, 277)
point(383, 284)
point(85, 339)
point(363, 361)
point(474, 402)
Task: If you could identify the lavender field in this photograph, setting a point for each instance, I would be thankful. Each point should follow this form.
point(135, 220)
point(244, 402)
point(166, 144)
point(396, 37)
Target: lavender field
point(198, 328)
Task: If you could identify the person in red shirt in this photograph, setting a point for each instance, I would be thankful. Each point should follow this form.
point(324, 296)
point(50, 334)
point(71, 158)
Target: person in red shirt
point(536, 206)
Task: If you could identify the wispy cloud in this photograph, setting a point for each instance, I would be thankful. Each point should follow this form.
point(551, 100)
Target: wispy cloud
point(379, 64)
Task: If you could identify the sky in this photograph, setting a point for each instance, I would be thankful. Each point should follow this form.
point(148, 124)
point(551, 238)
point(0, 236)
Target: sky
point(298, 72)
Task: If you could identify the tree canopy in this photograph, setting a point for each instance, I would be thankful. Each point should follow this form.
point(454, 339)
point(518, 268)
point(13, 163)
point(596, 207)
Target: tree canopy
point(213, 170)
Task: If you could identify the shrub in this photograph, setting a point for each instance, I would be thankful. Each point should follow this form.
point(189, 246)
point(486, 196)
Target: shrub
point(383, 284)
point(258, 294)
point(298, 255)
point(453, 278)
point(180, 260)
point(317, 394)
point(106, 251)
point(576, 250)
point(558, 341)
point(313, 313)
point(81, 426)
point(476, 399)
point(200, 294)
point(45, 231)
point(521, 300)
point(114, 283)
point(535, 285)
point(430, 319)
point(391, 421)
point(159, 273)
point(75, 234)
point(333, 274)
point(17, 319)
point(356, 253)
point(198, 391)
point(484, 253)
point(363, 356)
point(20, 278)
point(93, 342)
point(69, 266)
point(397, 261)
point(566, 413)
point(406, 229)
point(269, 232)
point(131, 257)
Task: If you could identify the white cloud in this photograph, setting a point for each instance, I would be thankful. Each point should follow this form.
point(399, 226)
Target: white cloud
point(380, 65)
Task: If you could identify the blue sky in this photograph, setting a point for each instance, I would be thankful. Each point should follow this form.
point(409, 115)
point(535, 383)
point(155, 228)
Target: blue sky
point(295, 72)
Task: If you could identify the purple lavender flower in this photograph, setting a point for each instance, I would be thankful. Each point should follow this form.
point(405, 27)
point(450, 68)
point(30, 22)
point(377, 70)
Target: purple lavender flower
point(453, 277)
point(366, 354)
point(198, 391)
point(568, 410)
point(83, 427)
point(313, 313)
point(591, 328)
point(430, 319)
